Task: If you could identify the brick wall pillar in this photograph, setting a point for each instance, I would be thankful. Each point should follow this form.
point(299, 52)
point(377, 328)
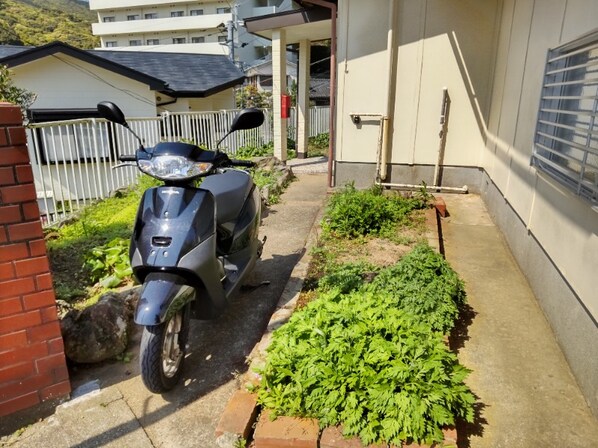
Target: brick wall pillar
point(32, 362)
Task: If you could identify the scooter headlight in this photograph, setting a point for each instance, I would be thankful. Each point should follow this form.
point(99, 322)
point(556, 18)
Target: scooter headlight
point(168, 167)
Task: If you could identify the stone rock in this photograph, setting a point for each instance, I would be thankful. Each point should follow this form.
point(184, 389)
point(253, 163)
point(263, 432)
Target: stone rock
point(100, 331)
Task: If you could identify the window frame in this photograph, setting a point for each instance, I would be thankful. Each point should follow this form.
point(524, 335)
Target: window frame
point(195, 12)
point(150, 15)
point(566, 136)
point(177, 13)
point(133, 17)
point(179, 40)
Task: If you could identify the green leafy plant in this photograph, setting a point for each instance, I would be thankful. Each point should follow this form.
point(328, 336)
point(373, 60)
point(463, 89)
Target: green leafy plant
point(318, 145)
point(109, 264)
point(358, 357)
point(251, 151)
point(424, 285)
point(352, 213)
point(346, 277)
point(13, 94)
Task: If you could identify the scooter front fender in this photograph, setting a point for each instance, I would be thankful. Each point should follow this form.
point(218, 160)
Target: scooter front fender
point(162, 295)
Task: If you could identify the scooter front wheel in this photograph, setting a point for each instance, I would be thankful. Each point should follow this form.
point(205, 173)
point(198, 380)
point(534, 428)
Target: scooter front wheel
point(162, 352)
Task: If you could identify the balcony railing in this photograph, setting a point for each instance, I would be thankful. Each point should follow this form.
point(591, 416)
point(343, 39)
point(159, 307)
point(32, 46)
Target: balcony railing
point(99, 5)
point(209, 21)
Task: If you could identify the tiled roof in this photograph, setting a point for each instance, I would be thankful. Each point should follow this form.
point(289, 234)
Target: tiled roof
point(177, 74)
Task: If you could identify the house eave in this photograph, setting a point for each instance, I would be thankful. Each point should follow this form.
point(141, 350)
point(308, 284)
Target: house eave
point(53, 48)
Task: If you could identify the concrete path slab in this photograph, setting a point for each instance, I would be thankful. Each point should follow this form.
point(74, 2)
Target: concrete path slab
point(527, 394)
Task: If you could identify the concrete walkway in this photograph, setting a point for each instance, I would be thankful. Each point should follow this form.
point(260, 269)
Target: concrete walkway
point(528, 395)
point(122, 413)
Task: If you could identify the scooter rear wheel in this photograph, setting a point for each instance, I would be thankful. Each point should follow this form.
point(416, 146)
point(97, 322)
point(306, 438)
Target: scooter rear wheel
point(162, 352)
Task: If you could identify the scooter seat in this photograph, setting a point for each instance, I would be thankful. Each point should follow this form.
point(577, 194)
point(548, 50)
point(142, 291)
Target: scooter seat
point(230, 189)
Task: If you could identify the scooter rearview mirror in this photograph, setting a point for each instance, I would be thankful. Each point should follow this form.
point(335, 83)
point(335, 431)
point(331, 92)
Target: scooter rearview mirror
point(112, 112)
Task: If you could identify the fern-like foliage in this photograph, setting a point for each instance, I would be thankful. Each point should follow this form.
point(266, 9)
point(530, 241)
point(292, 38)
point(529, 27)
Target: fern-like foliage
point(371, 357)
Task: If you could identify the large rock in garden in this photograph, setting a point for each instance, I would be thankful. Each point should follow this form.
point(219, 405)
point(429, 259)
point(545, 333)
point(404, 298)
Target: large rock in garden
point(100, 331)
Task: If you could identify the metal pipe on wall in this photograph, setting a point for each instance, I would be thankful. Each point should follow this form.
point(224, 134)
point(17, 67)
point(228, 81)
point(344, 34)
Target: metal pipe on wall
point(391, 89)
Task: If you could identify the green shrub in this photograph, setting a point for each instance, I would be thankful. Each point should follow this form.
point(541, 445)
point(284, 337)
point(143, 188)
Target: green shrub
point(346, 278)
point(352, 213)
point(249, 152)
point(423, 284)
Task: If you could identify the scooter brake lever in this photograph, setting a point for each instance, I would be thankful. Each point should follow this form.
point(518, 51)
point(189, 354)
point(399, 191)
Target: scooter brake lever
point(121, 165)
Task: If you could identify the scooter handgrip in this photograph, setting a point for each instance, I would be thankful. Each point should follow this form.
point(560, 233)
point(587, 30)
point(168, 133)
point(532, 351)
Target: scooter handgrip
point(127, 158)
point(247, 163)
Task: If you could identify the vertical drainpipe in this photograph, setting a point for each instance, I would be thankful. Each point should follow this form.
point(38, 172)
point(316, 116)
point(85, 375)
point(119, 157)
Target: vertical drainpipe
point(388, 119)
point(333, 9)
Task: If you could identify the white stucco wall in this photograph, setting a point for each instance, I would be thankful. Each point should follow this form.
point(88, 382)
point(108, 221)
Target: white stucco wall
point(63, 82)
point(564, 225)
point(439, 44)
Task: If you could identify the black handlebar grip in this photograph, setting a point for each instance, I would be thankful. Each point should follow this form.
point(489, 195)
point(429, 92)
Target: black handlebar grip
point(128, 158)
point(247, 163)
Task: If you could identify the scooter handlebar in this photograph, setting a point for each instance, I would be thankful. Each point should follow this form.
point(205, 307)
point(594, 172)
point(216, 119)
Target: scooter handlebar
point(127, 158)
point(247, 163)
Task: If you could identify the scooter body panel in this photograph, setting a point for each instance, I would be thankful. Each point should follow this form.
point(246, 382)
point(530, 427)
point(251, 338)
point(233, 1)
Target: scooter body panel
point(177, 233)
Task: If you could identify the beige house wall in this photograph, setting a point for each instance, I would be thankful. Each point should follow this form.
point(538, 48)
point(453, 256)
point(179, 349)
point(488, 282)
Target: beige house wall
point(439, 44)
point(565, 226)
point(490, 55)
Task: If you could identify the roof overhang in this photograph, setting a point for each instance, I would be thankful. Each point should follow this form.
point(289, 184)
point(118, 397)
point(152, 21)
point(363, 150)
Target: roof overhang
point(53, 48)
point(312, 24)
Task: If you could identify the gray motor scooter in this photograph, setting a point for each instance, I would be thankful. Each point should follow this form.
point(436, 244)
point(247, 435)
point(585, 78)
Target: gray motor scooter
point(192, 245)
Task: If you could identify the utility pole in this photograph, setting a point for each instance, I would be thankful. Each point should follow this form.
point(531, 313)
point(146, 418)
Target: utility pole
point(230, 38)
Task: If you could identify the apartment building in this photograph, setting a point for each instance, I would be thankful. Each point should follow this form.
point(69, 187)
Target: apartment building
point(183, 26)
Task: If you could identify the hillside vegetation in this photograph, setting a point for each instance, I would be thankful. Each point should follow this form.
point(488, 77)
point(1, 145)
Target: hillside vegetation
point(38, 22)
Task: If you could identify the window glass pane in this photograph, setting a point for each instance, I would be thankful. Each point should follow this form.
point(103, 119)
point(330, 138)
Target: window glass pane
point(198, 40)
point(109, 19)
point(177, 13)
point(111, 44)
point(196, 12)
point(152, 42)
point(222, 10)
point(133, 17)
point(135, 42)
point(151, 15)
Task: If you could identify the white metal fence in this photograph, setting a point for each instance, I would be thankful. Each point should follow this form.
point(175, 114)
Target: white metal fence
point(72, 160)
